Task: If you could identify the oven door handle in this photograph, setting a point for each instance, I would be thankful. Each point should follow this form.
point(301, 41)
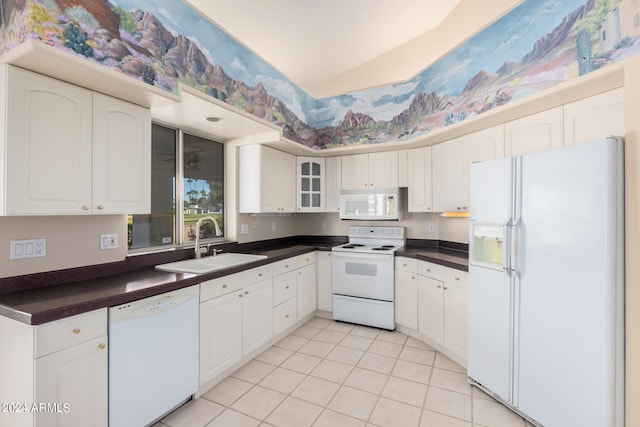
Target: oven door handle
point(359, 255)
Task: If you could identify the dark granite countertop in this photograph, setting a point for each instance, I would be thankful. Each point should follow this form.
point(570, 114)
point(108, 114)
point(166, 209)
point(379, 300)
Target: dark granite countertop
point(449, 254)
point(45, 297)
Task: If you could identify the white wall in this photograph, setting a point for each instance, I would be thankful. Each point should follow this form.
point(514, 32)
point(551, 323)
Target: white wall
point(72, 241)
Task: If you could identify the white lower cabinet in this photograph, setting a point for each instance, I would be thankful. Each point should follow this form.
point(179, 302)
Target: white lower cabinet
point(284, 316)
point(430, 308)
point(74, 381)
point(306, 283)
point(257, 315)
point(406, 282)
point(55, 374)
point(324, 281)
point(220, 335)
point(432, 300)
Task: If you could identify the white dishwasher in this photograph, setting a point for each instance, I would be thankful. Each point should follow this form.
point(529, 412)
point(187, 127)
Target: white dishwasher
point(153, 356)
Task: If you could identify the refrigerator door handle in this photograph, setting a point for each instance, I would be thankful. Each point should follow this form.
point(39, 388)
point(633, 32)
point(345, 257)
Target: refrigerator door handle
point(514, 249)
point(506, 254)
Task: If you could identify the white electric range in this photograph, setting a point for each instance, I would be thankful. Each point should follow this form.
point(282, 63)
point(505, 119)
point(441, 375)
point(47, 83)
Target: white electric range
point(363, 276)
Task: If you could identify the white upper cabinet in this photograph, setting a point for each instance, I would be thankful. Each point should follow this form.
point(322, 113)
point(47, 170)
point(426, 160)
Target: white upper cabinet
point(420, 188)
point(595, 117)
point(370, 171)
point(537, 132)
point(487, 144)
point(71, 151)
point(121, 157)
point(447, 164)
point(333, 182)
point(310, 184)
point(267, 180)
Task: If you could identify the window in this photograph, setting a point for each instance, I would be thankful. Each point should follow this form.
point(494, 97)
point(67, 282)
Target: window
point(187, 183)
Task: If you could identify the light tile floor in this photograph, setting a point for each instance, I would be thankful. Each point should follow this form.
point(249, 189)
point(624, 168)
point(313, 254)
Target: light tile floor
point(333, 374)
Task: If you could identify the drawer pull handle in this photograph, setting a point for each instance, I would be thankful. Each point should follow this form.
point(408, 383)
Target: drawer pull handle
point(413, 277)
point(286, 287)
point(439, 286)
point(225, 286)
point(101, 346)
point(259, 274)
point(100, 207)
point(76, 331)
point(428, 269)
point(246, 292)
point(457, 278)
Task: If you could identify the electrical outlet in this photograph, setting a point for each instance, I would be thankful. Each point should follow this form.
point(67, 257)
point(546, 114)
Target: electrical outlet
point(29, 248)
point(274, 226)
point(431, 228)
point(244, 228)
point(255, 225)
point(108, 241)
point(323, 225)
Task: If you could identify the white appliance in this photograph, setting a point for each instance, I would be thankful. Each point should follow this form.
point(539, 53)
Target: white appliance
point(153, 356)
point(370, 205)
point(363, 276)
point(546, 284)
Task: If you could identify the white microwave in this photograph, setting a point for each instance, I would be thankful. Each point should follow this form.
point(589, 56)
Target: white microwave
point(370, 205)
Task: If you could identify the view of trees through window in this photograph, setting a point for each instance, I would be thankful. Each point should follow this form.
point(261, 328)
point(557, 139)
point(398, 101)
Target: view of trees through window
point(201, 193)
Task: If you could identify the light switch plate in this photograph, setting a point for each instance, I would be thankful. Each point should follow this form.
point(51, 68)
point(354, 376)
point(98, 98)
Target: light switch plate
point(244, 228)
point(28, 248)
point(108, 241)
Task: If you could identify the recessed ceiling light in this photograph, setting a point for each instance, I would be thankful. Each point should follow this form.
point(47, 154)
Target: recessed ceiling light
point(214, 119)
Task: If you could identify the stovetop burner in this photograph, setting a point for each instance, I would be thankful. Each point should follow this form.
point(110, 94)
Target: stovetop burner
point(365, 239)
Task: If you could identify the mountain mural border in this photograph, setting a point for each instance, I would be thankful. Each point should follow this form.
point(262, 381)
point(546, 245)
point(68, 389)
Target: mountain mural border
point(138, 43)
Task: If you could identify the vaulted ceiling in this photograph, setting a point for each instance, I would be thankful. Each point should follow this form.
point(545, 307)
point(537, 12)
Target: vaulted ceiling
point(332, 47)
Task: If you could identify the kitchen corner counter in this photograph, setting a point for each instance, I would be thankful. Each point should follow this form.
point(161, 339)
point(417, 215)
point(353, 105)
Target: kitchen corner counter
point(45, 297)
point(449, 254)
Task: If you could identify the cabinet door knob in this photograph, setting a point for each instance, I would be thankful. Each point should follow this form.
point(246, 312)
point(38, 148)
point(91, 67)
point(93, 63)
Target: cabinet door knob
point(286, 266)
point(286, 315)
point(246, 292)
point(240, 295)
point(439, 286)
point(85, 207)
point(457, 278)
point(225, 286)
point(259, 274)
point(76, 331)
point(100, 207)
point(101, 346)
point(286, 287)
point(445, 288)
point(413, 277)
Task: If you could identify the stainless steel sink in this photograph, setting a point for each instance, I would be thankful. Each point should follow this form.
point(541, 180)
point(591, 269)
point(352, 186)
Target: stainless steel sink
point(209, 264)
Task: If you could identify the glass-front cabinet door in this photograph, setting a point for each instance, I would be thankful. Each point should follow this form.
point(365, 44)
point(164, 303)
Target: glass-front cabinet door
point(311, 183)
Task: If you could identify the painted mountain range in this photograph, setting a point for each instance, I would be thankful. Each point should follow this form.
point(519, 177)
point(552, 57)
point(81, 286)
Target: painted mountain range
point(135, 42)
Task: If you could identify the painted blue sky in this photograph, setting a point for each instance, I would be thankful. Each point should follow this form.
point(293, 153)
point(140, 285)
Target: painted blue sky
point(508, 39)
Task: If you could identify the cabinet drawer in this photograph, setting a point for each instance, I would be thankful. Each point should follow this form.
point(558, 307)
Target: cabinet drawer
point(68, 332)
point(306, 259)
point(284, 288)
point(407, 264)
point(455, 277)
point(257, 274)
point(220, 286)
point(284, 266)
point(435, 271)
point(284, 316)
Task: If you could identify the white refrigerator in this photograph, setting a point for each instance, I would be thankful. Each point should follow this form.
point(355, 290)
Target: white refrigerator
point(546, 283)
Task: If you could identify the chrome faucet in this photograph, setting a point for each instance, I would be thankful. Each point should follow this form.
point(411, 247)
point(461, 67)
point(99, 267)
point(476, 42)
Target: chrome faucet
point(198, 224)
